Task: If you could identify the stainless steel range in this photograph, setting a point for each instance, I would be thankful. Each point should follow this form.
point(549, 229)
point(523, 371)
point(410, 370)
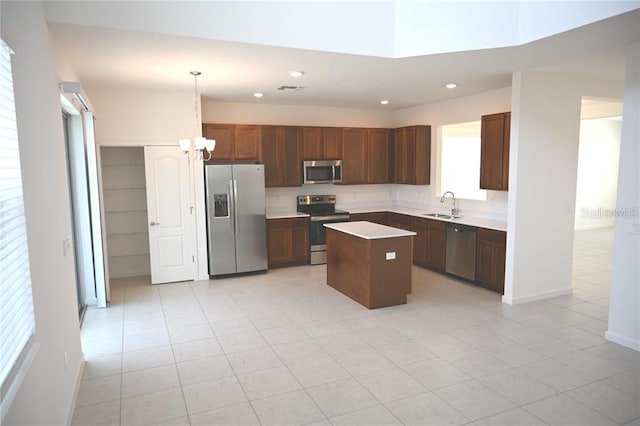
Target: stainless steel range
point(321, 209)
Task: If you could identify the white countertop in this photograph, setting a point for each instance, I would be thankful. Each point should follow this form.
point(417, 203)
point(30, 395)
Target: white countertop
point(285, 215)
point(480, 222)
point(368, 230)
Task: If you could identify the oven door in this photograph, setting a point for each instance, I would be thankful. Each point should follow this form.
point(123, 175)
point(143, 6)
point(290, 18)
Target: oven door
point(318, 236)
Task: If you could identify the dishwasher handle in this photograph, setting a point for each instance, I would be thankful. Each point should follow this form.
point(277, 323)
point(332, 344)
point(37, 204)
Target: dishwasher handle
point(458, 227)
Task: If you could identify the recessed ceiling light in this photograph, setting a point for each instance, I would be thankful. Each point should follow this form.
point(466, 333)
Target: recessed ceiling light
point(296, 73)
point(384, 102)
point(258, 95)
point(451, 85)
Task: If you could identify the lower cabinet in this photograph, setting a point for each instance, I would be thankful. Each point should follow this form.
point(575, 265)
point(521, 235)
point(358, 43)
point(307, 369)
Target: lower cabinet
point(429, 243)
point(398, 220)
point(436, 244)
point(374, 217)
point(490, 259)
point(288, 242)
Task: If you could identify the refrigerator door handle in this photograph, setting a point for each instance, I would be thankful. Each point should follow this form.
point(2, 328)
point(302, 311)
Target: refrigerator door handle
point(235, 206)
point(232, 207)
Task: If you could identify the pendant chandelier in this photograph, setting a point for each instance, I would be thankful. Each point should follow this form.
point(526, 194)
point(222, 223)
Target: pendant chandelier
point(199, 144)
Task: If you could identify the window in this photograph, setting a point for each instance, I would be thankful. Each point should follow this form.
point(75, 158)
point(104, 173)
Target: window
point(460, 161)
point(17, 324)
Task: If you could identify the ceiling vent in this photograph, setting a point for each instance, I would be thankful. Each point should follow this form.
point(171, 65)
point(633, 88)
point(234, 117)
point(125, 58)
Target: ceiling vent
point(283, 88)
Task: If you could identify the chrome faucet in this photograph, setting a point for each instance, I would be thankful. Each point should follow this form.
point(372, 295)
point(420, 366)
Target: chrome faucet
point(454, 211)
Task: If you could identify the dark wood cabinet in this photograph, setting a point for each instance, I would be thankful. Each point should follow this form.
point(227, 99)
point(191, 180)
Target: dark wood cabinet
point(234, 142)
point(378, 162)
point(378, 217)
point(312, 146)
point(321, 143)
point(436, 244)
point(490, 259)
point(419, 226)
point(494, 153)
point(398, 220)
point(374, 217)
point(223, 135)
point(282, 156)
point(413, 155)
point(332, 143)
point(354, 156)
point(246, 142)
point(288, 242)
point(429, 243)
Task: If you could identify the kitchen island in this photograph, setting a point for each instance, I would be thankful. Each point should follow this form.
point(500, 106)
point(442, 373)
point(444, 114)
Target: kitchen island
point(370, 263)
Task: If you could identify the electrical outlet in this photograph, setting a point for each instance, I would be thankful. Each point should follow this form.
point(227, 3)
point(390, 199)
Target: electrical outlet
point(390, 255)
point(635, 228)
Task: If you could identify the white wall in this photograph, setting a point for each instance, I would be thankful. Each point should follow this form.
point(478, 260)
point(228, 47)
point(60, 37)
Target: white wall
point(545, 124)
point(598, 155)
point(458, 110)
point(624, 308)
point(294, 115)
point(47, 393)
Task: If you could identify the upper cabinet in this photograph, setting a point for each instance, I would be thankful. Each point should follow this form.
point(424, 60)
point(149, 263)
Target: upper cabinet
point(322, 143)
point(234, 141)
point(354, 156)
point(413, 155)
point(379, 169)
point(494, 157)
point(281, 155)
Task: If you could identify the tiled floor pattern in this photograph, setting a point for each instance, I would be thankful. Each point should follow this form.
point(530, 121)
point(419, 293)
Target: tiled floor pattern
point(283, 348)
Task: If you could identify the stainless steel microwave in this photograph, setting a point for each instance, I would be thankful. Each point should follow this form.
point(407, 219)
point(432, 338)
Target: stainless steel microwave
point(322, 171)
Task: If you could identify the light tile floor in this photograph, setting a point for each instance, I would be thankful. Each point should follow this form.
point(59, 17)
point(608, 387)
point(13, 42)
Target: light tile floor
point(283, 348)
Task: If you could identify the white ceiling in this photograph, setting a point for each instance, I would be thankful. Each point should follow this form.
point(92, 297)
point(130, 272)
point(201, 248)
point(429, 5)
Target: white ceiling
point(233, 71)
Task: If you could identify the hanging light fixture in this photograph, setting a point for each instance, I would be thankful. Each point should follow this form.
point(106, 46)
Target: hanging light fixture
point(200, 144)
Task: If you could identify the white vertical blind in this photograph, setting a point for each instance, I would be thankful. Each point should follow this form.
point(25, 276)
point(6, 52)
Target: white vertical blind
point(17, 323)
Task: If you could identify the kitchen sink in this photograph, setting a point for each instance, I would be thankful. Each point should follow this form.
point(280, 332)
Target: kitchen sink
point(440, 215)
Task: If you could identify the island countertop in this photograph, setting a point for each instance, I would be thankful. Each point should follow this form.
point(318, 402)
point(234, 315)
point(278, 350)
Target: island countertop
point(368, 230)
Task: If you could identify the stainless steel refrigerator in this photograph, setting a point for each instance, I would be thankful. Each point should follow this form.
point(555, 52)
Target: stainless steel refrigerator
point(236, 220)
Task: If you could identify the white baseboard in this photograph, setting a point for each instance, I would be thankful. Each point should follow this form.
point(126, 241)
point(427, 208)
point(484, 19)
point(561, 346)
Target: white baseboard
point(75, 393)
point(536, 296)
point(202, 277)
point(621, 340)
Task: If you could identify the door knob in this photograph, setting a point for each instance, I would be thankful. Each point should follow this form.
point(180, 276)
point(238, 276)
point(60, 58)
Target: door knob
point(154, 223)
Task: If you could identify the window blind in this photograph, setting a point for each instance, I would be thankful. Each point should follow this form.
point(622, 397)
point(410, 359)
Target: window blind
point(17, 324)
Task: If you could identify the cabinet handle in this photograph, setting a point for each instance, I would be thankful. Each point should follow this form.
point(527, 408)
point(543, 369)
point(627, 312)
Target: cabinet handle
point(154, 223)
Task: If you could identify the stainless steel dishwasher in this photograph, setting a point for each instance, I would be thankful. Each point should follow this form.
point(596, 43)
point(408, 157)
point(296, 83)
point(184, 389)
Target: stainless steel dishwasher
point(461, 251)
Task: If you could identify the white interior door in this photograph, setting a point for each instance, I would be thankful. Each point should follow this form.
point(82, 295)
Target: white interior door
point(169, 214)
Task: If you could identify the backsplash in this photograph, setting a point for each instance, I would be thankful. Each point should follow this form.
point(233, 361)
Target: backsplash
point(281, 200)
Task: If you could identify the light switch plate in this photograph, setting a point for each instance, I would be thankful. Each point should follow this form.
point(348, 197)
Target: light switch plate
point(391, 255)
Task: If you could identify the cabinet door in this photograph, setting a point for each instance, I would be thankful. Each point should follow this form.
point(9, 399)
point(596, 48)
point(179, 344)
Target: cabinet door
point(401, 155)
point(355, 217)
point(436, 244)
point(246, 142)
point(490, 259)
point(354, 156)
point(419, 226)
point(289, 138)
point(300, 242)
point(278, 241)
point(422, 156)
point(312, 143)
point(378, 217)
point(223, 135)
point(378, 156)
point(271, 157)
point(332, 143)
point(398, 220)
point(505, 151)
point(492, 151)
